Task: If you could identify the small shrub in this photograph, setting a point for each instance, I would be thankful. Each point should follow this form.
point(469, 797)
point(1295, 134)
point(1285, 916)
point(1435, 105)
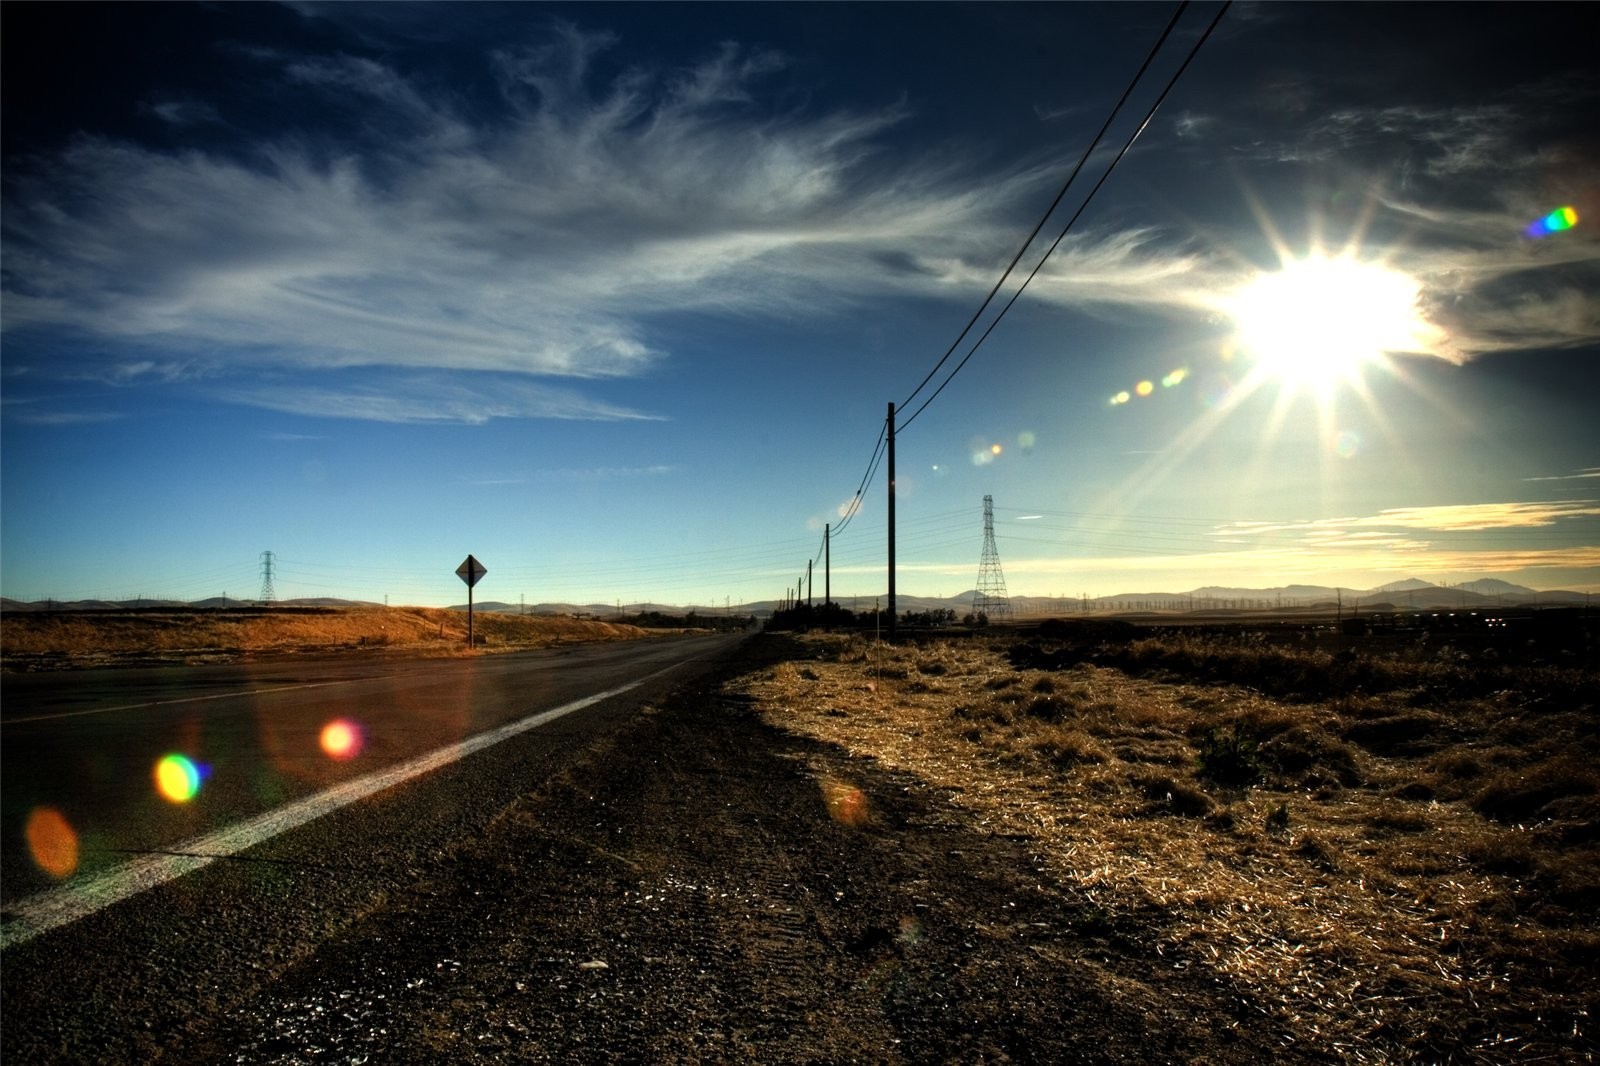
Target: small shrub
point(1415, 791)
point(1278, 819)
point(1412, 733)
point(1316, 851)
point(1048, 708)
point(1306, 753)
point(1228, 757)
point(1397, 820)
point(1519, 797)
point(1067, 747)
point(1502, 853)
point(1178, 797)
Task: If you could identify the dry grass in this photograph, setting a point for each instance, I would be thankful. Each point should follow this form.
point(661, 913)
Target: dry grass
point(1404, 882)
point(85, 638)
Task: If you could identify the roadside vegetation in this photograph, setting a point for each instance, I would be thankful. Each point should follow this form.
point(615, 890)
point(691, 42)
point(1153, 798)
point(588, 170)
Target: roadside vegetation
point(1398, 849)
point(38, 640)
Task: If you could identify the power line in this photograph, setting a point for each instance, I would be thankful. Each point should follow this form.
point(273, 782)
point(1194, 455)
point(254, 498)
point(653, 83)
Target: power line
point(878, 452)
point(1051, 209)
point(1171, 82)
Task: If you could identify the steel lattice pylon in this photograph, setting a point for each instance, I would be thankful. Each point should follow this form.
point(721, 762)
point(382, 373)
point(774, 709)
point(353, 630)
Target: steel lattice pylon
point(267, 592)
point(990, 600)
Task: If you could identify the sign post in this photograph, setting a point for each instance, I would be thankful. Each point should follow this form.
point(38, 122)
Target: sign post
point(470, 571)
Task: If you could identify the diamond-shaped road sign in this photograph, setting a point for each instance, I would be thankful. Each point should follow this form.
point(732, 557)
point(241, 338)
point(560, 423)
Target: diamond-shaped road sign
point(470, 571)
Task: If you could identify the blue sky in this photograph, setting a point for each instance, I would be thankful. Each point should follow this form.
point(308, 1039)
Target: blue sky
point(615, 297)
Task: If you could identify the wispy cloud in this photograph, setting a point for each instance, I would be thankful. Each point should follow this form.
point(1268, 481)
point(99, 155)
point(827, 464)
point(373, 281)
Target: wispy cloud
point(422, 397)
point(546, 239)
point(63, 418)
point(537, 241)
point(1450, 518)
point(1587, 473)
point(608, 473)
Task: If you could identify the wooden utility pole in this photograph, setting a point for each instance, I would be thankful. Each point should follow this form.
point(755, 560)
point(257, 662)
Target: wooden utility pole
point(891, 523)
point(827, 567)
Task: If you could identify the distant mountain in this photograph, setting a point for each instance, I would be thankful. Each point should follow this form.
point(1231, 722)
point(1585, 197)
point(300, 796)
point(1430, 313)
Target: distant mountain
point(1407, 594)
point(1493, 586)
point(1410, 584)
point(1287, 592)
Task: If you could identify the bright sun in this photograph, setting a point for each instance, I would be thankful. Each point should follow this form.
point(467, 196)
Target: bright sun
point(1319, 322)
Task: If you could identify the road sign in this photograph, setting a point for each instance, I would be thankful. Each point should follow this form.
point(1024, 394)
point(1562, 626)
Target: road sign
point(470, 571)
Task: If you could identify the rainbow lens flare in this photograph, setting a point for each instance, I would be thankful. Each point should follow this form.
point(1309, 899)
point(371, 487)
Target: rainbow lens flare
point(1562, 218)
point(177, 778)
point(342, 739)
point(51, 842)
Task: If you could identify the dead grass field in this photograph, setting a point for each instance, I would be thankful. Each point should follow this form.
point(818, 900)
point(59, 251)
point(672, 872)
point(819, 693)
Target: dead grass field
point(1403, 856)
point(74, 639)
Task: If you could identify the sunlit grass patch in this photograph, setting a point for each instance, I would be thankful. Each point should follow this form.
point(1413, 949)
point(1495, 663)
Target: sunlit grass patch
point(1411, 873)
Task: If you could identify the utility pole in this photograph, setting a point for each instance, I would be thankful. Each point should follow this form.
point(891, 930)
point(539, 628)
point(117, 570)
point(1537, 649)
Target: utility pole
point(891, 523)
point(808, 583)
point(827, 566)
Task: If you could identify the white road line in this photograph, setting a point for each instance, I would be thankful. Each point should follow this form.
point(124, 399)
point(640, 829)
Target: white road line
point(83, 896)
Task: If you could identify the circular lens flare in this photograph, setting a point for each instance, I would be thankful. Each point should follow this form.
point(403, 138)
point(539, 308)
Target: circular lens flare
point(342, 739)
point(177, 778)
point(51, 842)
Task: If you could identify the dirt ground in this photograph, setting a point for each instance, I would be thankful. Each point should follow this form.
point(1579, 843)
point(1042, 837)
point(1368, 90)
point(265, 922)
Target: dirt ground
point(841, 852)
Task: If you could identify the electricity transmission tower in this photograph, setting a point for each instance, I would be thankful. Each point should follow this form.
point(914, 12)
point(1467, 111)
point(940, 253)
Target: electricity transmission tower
point(267, 595)
point(990, 600)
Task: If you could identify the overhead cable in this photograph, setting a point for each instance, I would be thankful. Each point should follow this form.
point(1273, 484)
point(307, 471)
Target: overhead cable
point(1081, 207)
point(1053, 204)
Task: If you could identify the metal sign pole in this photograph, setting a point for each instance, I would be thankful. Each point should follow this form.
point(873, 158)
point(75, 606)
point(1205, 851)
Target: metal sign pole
point(470, 571)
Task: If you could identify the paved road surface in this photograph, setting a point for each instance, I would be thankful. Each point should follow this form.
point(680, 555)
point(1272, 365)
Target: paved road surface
point(151, 963)
point(85, 744)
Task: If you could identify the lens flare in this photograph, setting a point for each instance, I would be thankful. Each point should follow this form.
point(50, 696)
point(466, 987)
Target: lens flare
point(846, 803)
point(1347, 445)
point(342, 739)
point(177, 778)
point(1147, 388)
point(52, 842)
point(984, 452)
point(1562, 218)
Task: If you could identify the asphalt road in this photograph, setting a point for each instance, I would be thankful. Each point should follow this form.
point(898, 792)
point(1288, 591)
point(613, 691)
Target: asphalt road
point(117, 984)
point(84, 745)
